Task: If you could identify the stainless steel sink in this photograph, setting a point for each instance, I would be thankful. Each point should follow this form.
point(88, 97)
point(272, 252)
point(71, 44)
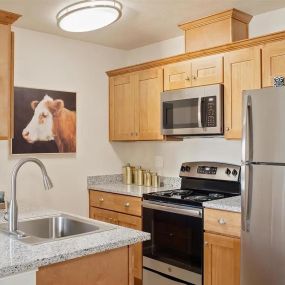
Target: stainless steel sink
point(45, 229)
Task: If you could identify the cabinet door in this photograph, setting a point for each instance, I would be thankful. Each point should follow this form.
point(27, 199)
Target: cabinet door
point(242, 72)
point(177, 75)
point(124, 221)
point(148, 113)
point(273, 62)
point(5, 80)
point(221, 260)
point(207, 70)
point(122, 108)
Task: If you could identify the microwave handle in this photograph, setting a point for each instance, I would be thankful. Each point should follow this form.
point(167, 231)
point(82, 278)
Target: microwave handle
point(199, 112)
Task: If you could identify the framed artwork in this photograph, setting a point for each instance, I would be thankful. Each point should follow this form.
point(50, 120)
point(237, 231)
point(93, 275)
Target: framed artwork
point(44, 121)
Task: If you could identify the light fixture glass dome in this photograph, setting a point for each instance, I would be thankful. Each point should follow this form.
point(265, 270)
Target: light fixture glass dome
point(89, 15)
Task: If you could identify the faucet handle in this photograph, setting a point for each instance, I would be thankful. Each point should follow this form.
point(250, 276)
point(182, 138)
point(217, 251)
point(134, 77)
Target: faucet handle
point(6, 216)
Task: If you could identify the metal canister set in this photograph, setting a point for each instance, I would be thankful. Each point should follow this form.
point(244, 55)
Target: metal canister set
point(140, 177)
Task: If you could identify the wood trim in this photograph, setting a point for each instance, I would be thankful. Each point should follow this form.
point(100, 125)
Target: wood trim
point(232, 13)
point(190, 55)
point(131, 265)
point(8, 18)
point(11, 131)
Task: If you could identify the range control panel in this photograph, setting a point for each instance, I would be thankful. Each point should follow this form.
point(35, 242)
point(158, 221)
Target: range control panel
point(211, 170)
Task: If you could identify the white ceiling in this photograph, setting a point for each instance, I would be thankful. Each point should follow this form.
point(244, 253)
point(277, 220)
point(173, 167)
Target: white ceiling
point(143, 21)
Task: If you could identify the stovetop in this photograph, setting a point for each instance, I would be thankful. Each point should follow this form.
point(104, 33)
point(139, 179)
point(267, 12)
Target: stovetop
point(185, 196)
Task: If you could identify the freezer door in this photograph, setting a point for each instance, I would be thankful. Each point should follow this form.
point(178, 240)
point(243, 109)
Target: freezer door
point(263, 219)
point(264, 125)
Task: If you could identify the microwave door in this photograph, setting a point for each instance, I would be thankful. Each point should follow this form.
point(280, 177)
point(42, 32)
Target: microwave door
point(182, 116)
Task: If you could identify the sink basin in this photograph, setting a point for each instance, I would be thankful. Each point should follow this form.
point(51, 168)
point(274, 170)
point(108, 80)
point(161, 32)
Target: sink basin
point(45, 229)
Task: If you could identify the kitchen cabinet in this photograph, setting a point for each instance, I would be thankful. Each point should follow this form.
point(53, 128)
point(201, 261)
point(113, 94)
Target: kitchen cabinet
point(122, 108)
point(221, 260)
point(221, 247)
point(6, 73)
point(207, 70)
point(135, 106)
point(177, 75)
point(149, 86)
point(202, 71)
point(273, 62)
point(106, 268)
point(120, 210)
point(242, 72)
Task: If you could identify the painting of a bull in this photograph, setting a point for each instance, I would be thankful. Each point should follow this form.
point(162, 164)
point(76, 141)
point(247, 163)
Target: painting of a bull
point(45, 121)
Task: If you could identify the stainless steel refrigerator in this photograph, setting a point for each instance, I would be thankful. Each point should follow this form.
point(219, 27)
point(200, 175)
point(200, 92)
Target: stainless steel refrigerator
point(263, 187)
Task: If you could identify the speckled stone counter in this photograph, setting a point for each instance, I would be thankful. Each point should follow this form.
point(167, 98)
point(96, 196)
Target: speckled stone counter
point(131, 190)
point(113, 184)
point(17, 257)
point(232, 204)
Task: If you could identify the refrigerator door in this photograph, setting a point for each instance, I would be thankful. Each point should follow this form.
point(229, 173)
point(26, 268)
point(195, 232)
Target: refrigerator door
point(263, 236)
point(264, 125)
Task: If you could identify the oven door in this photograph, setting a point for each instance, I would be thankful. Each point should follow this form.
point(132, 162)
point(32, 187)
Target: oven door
point(192, 111)
point(176, 240)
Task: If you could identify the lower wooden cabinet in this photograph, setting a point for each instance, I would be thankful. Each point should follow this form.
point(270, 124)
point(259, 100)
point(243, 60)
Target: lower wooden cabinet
point(125, 221)
point(112, 267)
point(221, 260)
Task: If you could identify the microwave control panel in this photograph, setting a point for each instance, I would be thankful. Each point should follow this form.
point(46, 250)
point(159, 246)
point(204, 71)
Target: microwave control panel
point(210, 111)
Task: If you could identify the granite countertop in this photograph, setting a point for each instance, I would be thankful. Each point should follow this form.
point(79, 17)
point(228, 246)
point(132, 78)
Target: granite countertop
point(232, 204)
point(130, 190)
point(17, 257)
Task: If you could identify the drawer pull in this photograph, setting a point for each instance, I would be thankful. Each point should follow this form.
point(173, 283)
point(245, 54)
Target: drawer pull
point(206, 243)
point(221, 221)
point(127, 205)
point(101, 200)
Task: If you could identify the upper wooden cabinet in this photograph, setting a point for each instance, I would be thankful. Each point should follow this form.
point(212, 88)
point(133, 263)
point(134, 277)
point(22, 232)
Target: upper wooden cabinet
point(242, 72)
point(135, 106)
point(197, 72)
point(177, 75)
point(6, 73)
point(207, 70)
point(148, 113)
point(273, 62)
point(122, 107)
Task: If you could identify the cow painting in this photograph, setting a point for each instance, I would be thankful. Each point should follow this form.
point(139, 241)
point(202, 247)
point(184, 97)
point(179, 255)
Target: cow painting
point(50, 123)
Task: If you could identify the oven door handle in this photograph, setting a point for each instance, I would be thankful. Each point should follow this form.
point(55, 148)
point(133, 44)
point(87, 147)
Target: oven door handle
point(186, 211)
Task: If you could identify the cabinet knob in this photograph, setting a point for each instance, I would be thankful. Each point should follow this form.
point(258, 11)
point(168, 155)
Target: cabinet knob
point(194, 77)
point(221, 221)
point(127, 205)
point(132, 134)
point(227, 129)
point(187, 78)
point(101, 200)
point(206, 243)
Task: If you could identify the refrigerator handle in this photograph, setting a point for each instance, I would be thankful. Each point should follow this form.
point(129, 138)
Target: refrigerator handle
point(247, 131)
point(246, 195)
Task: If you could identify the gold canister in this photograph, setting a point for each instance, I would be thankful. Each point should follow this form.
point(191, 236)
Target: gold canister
point(129, 178)
point(133, 170)
point(155, 180)
point(125, 173)
point(147, 178)
point(140, 177)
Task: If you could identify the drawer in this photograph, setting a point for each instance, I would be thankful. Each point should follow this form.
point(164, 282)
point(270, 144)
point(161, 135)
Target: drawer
point(222, 222)
point(116, 202)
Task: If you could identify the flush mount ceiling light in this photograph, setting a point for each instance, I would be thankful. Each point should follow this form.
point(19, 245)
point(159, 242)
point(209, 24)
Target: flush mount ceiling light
point(86, 16)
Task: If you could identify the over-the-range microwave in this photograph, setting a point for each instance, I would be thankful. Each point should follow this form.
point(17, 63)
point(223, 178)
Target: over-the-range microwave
point(193, 111)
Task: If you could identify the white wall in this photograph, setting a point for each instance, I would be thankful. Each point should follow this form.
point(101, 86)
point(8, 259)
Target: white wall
point(267, 23)
point(50, 62)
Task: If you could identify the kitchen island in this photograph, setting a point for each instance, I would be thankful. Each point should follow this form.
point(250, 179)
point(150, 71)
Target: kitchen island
point(44, 263)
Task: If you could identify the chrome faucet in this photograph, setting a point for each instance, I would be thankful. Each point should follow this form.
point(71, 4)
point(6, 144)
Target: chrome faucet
point(13, 207)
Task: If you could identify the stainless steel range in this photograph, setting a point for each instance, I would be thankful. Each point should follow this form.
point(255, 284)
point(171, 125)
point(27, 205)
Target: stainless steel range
point(175, 220)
